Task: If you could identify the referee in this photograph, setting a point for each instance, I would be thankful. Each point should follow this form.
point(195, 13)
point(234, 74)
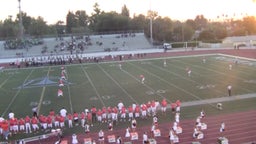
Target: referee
point(229, 90)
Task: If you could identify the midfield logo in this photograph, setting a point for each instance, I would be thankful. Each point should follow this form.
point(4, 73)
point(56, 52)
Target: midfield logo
point(42, 82)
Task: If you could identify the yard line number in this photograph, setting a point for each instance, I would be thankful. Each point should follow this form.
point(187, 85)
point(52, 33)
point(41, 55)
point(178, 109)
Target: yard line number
point(155, 92)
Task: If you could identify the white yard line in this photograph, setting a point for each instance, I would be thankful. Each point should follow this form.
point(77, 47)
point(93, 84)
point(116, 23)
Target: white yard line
point(42, 93)
point(182, 76)
point(14, 97)
point(69, 95)
point(93, 86)
point(3, 83)
point(130, 96)
point(218, 72)
point(138, 80)
point(167, 82)
point(221, 99)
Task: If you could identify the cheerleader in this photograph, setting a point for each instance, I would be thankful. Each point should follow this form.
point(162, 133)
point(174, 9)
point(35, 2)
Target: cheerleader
point(134, 124)
point(74, 139)
point(153, 128)
point(127, 132)
point(110, 126)
point(101, 137)
point(222, 127)
point(155, 120)
point(202, 114)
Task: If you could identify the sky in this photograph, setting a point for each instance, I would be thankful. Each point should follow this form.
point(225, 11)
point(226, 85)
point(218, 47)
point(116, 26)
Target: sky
point(54, 10)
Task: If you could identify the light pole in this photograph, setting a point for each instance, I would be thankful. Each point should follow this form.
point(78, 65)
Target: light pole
point(151, 25)
point(151, 31)
point(20, 22)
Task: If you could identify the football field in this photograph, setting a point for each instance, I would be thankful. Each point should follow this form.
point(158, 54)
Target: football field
point(106, 83)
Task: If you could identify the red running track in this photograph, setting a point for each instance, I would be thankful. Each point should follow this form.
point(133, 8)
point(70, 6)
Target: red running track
point(240, 128)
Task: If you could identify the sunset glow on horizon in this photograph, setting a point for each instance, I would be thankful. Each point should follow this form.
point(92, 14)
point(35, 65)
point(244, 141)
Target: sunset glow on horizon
point(54, 10)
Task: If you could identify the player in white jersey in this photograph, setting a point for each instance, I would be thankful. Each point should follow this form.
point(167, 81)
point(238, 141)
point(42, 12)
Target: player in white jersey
point(142, 79)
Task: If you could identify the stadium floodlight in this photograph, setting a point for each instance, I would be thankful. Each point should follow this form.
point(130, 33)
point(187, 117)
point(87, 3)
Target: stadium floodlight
point(151, 25)
point(20, 22)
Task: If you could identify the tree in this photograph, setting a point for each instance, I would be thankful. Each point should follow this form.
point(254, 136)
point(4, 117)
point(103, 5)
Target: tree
point(38, 27)
point(125, 11)
point(111, 21)
point(26, 21)
point(219, 31)
point(249, 24)
point(71, 21)
point(200, 22)
point(191, 23)
point(9, 28)
point(237, 28)
point(162, 29)
point(82, 18)
point(94, 16)
point(188, 32)
point(60, 28)
point(139, 22)
point(206, 35)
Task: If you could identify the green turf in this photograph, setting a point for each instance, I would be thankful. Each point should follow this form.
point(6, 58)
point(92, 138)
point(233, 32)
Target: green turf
point(104, 84)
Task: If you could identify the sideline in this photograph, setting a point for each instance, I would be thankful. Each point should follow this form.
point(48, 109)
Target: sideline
point(216, 100)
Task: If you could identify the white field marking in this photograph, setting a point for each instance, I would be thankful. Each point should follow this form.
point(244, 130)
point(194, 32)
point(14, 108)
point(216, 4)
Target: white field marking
point(131, 97)
point(221, 73)
point(180, 76)
point(14, 97)
point(249, 59)
point(69, 95)
point(42, 93)
point(141, 60)
point(139, 81)
point(242, 58)
point(171, 84)
point(50, 70)
point(3, 83)
point(241, 71)
point(84, 64)
point(250, 81)
point(93, 86)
